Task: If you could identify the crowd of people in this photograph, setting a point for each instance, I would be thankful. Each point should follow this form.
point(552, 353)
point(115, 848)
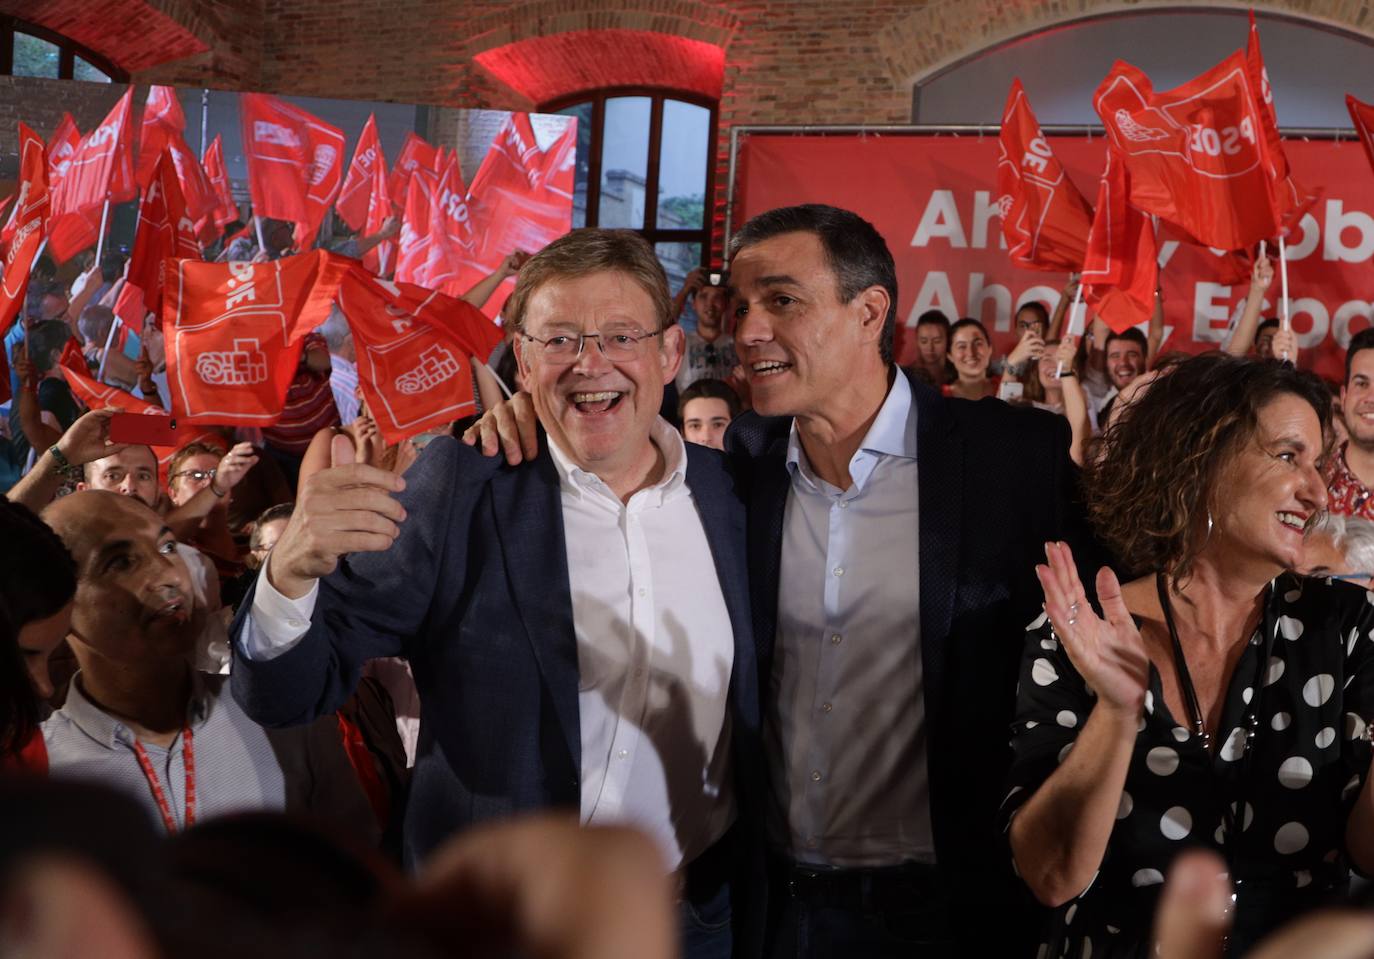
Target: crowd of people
point(864, 654)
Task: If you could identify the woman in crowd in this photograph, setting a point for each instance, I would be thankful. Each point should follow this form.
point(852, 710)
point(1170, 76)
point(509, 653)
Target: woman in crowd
point(970, 350)
point(1053, 385)
point(1219, 700)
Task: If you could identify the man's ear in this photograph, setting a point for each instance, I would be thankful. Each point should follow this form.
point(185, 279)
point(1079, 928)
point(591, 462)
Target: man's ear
point(674, 347)
point(874, 304)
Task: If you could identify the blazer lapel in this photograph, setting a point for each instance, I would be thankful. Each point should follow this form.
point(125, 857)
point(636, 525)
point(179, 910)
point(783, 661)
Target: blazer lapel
point(529, 522)
point(939, 459)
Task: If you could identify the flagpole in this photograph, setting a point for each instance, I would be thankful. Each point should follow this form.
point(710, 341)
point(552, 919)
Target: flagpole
point(105, 354)
point(104, 218)
point(257, 223)
point(42, 245)
point(1073, 323)
point(1287, 321)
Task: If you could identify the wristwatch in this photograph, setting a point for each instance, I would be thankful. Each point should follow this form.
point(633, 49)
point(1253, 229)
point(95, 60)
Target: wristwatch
point(61, 465)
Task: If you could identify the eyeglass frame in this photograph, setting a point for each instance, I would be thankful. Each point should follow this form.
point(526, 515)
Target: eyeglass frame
point(192, 473)
point(582, 339)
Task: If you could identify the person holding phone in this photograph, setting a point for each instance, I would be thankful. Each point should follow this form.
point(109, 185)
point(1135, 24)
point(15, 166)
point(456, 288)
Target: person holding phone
point(710, 350)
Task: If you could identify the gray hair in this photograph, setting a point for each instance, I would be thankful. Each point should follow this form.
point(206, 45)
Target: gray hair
point(1353, 536)
point(335, 329)
point(95, 323)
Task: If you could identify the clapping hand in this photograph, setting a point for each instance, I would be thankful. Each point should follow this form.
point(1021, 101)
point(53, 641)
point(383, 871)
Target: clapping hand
point(1108, 653)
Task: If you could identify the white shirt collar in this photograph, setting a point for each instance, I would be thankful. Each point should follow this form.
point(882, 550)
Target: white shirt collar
point(574, 479)
point(893, 433)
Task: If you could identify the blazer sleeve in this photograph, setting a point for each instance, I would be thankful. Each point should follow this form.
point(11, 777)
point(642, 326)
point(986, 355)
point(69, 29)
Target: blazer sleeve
point(375, 604)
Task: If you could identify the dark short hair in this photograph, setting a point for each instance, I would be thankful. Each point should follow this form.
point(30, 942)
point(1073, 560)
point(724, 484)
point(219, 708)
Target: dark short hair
point(964, 324)
point(111, 266)
point(1038, 308)
point(708, 389)
point(1130, 333)
point(46, 339)
point(269, 515)
point(856, 251)
point(1363, 340)
point(933, 318)
point(1161, 461)
point(90, 464)
point(1269, 324)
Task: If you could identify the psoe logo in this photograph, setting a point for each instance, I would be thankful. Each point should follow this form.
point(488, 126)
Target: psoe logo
point(244, 365)
point(437, 364)
point(324, 160)
point(265, 132)
point(1137, 132)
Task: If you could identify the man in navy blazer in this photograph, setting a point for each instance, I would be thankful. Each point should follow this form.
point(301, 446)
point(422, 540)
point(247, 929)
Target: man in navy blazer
point(578, 626)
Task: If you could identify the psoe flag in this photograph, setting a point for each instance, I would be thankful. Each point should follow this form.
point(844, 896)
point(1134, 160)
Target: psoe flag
point(1121, 270)
point(23, 233)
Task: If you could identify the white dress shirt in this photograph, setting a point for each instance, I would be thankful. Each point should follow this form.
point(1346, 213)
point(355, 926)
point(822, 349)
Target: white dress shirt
point(846, 734)
point(655, 652)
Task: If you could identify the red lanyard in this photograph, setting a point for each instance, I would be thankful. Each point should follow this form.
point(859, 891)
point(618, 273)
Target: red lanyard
point(188, 757)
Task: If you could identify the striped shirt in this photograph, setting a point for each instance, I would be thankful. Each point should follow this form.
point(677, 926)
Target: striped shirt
point(308, 408)
point(343, 380)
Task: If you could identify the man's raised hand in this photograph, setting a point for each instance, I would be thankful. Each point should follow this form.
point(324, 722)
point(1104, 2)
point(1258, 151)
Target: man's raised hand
point(510, 427)
point(348, 508)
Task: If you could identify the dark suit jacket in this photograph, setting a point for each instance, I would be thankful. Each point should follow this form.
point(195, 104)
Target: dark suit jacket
point(995, 484)
point(474, 593)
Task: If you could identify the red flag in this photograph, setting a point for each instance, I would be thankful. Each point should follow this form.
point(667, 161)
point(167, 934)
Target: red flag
point(1121, 269)
point(1363, 116)
point(383, 255)
point(414, 349)
point(413, 255)
point(131, 307)
point(196, 189)
point(226, 210)
point(355, 197)
point(1044, 218)
point(415, 153)
point(68, 235)
point(162, 117)
point(103, 166)
point(451, 235)
point(24, 231)
point(234, 330)
point(1196, 154)
point(164, 230)
point(1291, 199)
point(295, 162)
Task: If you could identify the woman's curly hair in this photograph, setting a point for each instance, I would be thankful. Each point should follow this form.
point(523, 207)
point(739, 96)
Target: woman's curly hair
point(1158, 465)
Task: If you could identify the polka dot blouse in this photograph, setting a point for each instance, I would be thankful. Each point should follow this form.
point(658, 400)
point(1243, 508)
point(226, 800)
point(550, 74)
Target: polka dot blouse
point(1288, 788)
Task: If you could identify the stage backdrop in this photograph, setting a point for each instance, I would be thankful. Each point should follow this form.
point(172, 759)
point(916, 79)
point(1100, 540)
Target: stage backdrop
point(934, 199)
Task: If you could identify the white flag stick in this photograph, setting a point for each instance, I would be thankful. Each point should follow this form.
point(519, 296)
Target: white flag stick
point(1075, 326)
point(41, 247)
point(1287, 318)
point(100, 243)
point(105, 353)
point(262, 244)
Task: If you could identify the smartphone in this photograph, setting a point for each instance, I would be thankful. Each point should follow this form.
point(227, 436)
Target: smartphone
point(1009, 391)
point(147, 429)
point(717, 279)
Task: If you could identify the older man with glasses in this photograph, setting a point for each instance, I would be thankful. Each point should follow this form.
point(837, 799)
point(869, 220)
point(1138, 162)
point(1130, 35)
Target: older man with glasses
point(578, 624)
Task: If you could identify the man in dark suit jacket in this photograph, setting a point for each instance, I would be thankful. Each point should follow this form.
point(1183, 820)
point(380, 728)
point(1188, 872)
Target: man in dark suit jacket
point(884, 780)
point(578, 625)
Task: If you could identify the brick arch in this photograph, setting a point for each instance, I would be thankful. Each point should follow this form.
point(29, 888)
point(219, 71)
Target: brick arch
point(544, 51)
point(942, 33)
point(132, 34)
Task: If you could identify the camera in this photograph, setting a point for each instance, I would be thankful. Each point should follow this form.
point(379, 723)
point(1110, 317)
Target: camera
point(720, 278)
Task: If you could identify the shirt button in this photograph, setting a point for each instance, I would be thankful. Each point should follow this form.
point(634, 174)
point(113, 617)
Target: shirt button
point(296, 623)
point(844, 504)
point(642, 592)
point(839, 570)
point(835, 640)
point(815, 775)
point(624, 754)
point(825, 707)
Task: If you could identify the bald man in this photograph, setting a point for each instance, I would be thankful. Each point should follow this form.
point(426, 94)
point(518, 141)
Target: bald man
point(139, 718)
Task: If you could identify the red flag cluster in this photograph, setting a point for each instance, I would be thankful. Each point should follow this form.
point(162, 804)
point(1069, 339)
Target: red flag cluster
point(295, 162)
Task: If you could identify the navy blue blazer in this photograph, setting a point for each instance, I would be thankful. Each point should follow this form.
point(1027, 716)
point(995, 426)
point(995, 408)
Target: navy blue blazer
point(995, 483)
point(475, 594)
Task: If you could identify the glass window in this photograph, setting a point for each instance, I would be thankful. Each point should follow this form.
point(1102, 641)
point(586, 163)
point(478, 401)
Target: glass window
point(678, 260)
point(34, 57)
point(583, 112)
point(83, 70)
point(683, 155)
point(624, 162)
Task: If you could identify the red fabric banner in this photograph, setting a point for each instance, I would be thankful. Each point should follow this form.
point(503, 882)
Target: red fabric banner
point(355, 196)
point(95, 395)
point(164, 230)
point(226, 210)
point(412, 259)
point(934, 200)
point(414, 352)
point(70, 234)
point(162, 117)
point(1197, 153)
point(23, 231)
point(196, 189)
point(103, 166)
point(233, 333)
point(1044, 218)
point(1120, 271)
point(295, 162)
point(381, 257)
point(415, 153)
point(452, 239)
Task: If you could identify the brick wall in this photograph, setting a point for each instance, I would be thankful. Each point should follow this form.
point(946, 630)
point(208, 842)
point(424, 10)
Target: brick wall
point(785, 61)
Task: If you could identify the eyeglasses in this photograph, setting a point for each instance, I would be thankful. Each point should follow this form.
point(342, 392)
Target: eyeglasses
point(1353, 576)
point(197, 475)
point(616, 347)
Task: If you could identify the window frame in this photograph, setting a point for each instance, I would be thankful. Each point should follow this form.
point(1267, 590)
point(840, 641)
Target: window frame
point(67, 51)
point(597, 98)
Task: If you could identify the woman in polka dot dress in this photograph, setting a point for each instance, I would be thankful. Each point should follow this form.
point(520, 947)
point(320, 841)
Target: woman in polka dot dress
point(1218, 700)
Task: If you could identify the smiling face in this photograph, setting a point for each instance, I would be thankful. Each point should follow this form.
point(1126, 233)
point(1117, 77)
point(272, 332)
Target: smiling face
point(1125, 361)
point(133, 595)
point(599, 412)
point(970, 351)
point(710, 303)
point(192, 476)
point(1357, 400)
point(1271, 488)
point(800, 345)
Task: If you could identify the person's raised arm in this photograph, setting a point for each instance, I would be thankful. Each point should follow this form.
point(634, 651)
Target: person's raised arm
point(38, 433)
point(1261, 276)
point(1058, 838)
point(1027, 351)
point(231, 468)
point(389, 228)
point(1061, 309)
point(1075, 399)
point(482, 290)
point(87, 440)
point(80, 301)
point(1154, 338)
point(693, 282)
